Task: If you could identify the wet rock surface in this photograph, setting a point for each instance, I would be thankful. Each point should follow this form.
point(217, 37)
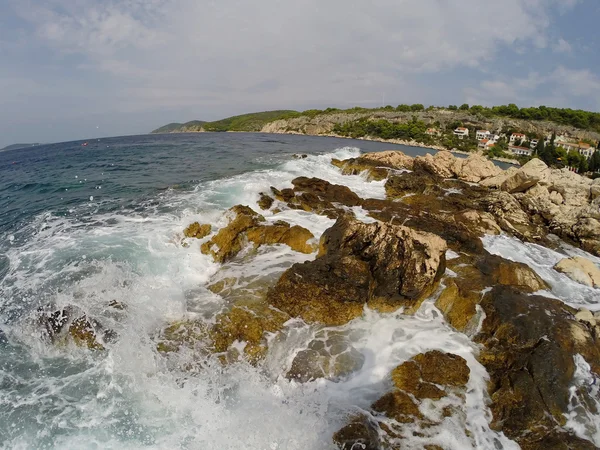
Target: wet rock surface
point(359, 263)
point(247, 225)
point(195, 230)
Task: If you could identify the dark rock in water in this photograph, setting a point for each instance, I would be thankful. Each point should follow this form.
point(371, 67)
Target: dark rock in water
point(299, 156)
point(318, 196)
point(356, 166)
point(361, 433)
point(432, 375)
point(330, 355)
point(529, 348)
point(265, 202)
point(70, 323)
point(359, 263)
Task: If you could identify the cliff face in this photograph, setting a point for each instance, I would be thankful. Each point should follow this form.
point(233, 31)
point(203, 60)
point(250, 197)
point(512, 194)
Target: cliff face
point(324, 123)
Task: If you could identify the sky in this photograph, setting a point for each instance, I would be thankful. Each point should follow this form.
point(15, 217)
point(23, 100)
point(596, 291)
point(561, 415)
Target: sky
point(77, 69)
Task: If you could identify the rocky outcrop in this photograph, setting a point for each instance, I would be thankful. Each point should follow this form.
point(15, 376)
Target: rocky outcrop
point(245, 325)
point(530, 343)
point(329, 355)
point(195, 230)
point(445, 165)
point(392, 159)
point(265, 202)
point(426, 376)
point(581, 270)
point(525, 177)
point(361, 263)
point(247, 225)
point(71, 324)
point(318, 196)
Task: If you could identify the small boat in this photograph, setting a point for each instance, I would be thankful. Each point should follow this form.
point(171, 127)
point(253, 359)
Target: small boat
point(84, 144)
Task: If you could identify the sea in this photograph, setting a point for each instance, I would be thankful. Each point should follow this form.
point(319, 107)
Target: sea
point(86, 226)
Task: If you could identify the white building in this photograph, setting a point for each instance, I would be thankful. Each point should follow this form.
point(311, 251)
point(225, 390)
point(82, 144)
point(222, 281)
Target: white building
point(485, 144)
point(483, 134)
point(517, 137)
point(521, 151)
point(461, 132)
point(534, 143)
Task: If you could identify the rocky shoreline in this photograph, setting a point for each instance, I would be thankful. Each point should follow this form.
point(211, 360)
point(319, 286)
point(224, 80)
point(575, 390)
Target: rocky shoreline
point(422, 245)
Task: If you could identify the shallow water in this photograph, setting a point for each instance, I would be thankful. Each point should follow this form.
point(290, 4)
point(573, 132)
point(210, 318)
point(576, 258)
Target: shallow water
point(85, 226)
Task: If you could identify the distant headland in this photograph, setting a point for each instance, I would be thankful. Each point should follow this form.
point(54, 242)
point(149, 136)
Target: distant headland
point(18, 146)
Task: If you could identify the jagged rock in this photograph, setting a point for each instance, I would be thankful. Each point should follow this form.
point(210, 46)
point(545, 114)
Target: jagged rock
point(245, 324)
point(441, 164)
point(195, 230)
point(510, 216)
point(329, 355)
point(356, 166)
point(360, 433)
point(496, 181)
point(357, 263)
point(248, 225)
point(458, 302)
point(265, 201)
point(423, 375)
point(475, 168)
point(529, 345)
point(184, 333)
point(478, 221)
point(72, 324)
point(431, 375)
point(525, 177)
point(581, 270)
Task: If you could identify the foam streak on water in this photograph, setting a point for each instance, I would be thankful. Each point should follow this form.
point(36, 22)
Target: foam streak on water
point(132, 397)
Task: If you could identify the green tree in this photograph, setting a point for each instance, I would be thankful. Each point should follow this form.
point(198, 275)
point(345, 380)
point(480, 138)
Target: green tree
point(540, 149)
point(594, 164)
point(453, 108)
point(403, 108)
point(417, 107)
point(583, 165)
point(464, 107)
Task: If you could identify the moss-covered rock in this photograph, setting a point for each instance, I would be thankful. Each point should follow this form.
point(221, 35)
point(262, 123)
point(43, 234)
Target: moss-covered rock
point(245, 324)
point(265, 201)
point(195, 230)
point(246, 225)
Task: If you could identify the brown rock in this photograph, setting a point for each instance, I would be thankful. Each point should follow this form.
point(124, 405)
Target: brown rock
point(358, 263)
point(391, 158)
point(246, 324)
point(441, 164)
point(529, 346)
point(421, 375)
point(265, 201)
point(195, 230)
point(280, 232)
point(247, 225)
point(360, 433)
point(356, 166)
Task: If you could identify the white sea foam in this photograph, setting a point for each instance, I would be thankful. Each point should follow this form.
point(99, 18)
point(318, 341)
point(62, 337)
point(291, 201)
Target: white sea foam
point(542, 260)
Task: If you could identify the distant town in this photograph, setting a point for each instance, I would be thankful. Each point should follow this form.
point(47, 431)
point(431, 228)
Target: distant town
point(520, 144)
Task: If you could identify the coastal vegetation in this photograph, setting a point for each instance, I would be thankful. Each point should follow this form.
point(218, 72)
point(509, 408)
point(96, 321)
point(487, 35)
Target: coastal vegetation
point(584, 120)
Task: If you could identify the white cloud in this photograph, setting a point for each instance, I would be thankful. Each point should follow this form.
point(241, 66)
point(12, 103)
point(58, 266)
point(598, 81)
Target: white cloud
point(316, 51)
point(562, 46)
point(560, 87)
